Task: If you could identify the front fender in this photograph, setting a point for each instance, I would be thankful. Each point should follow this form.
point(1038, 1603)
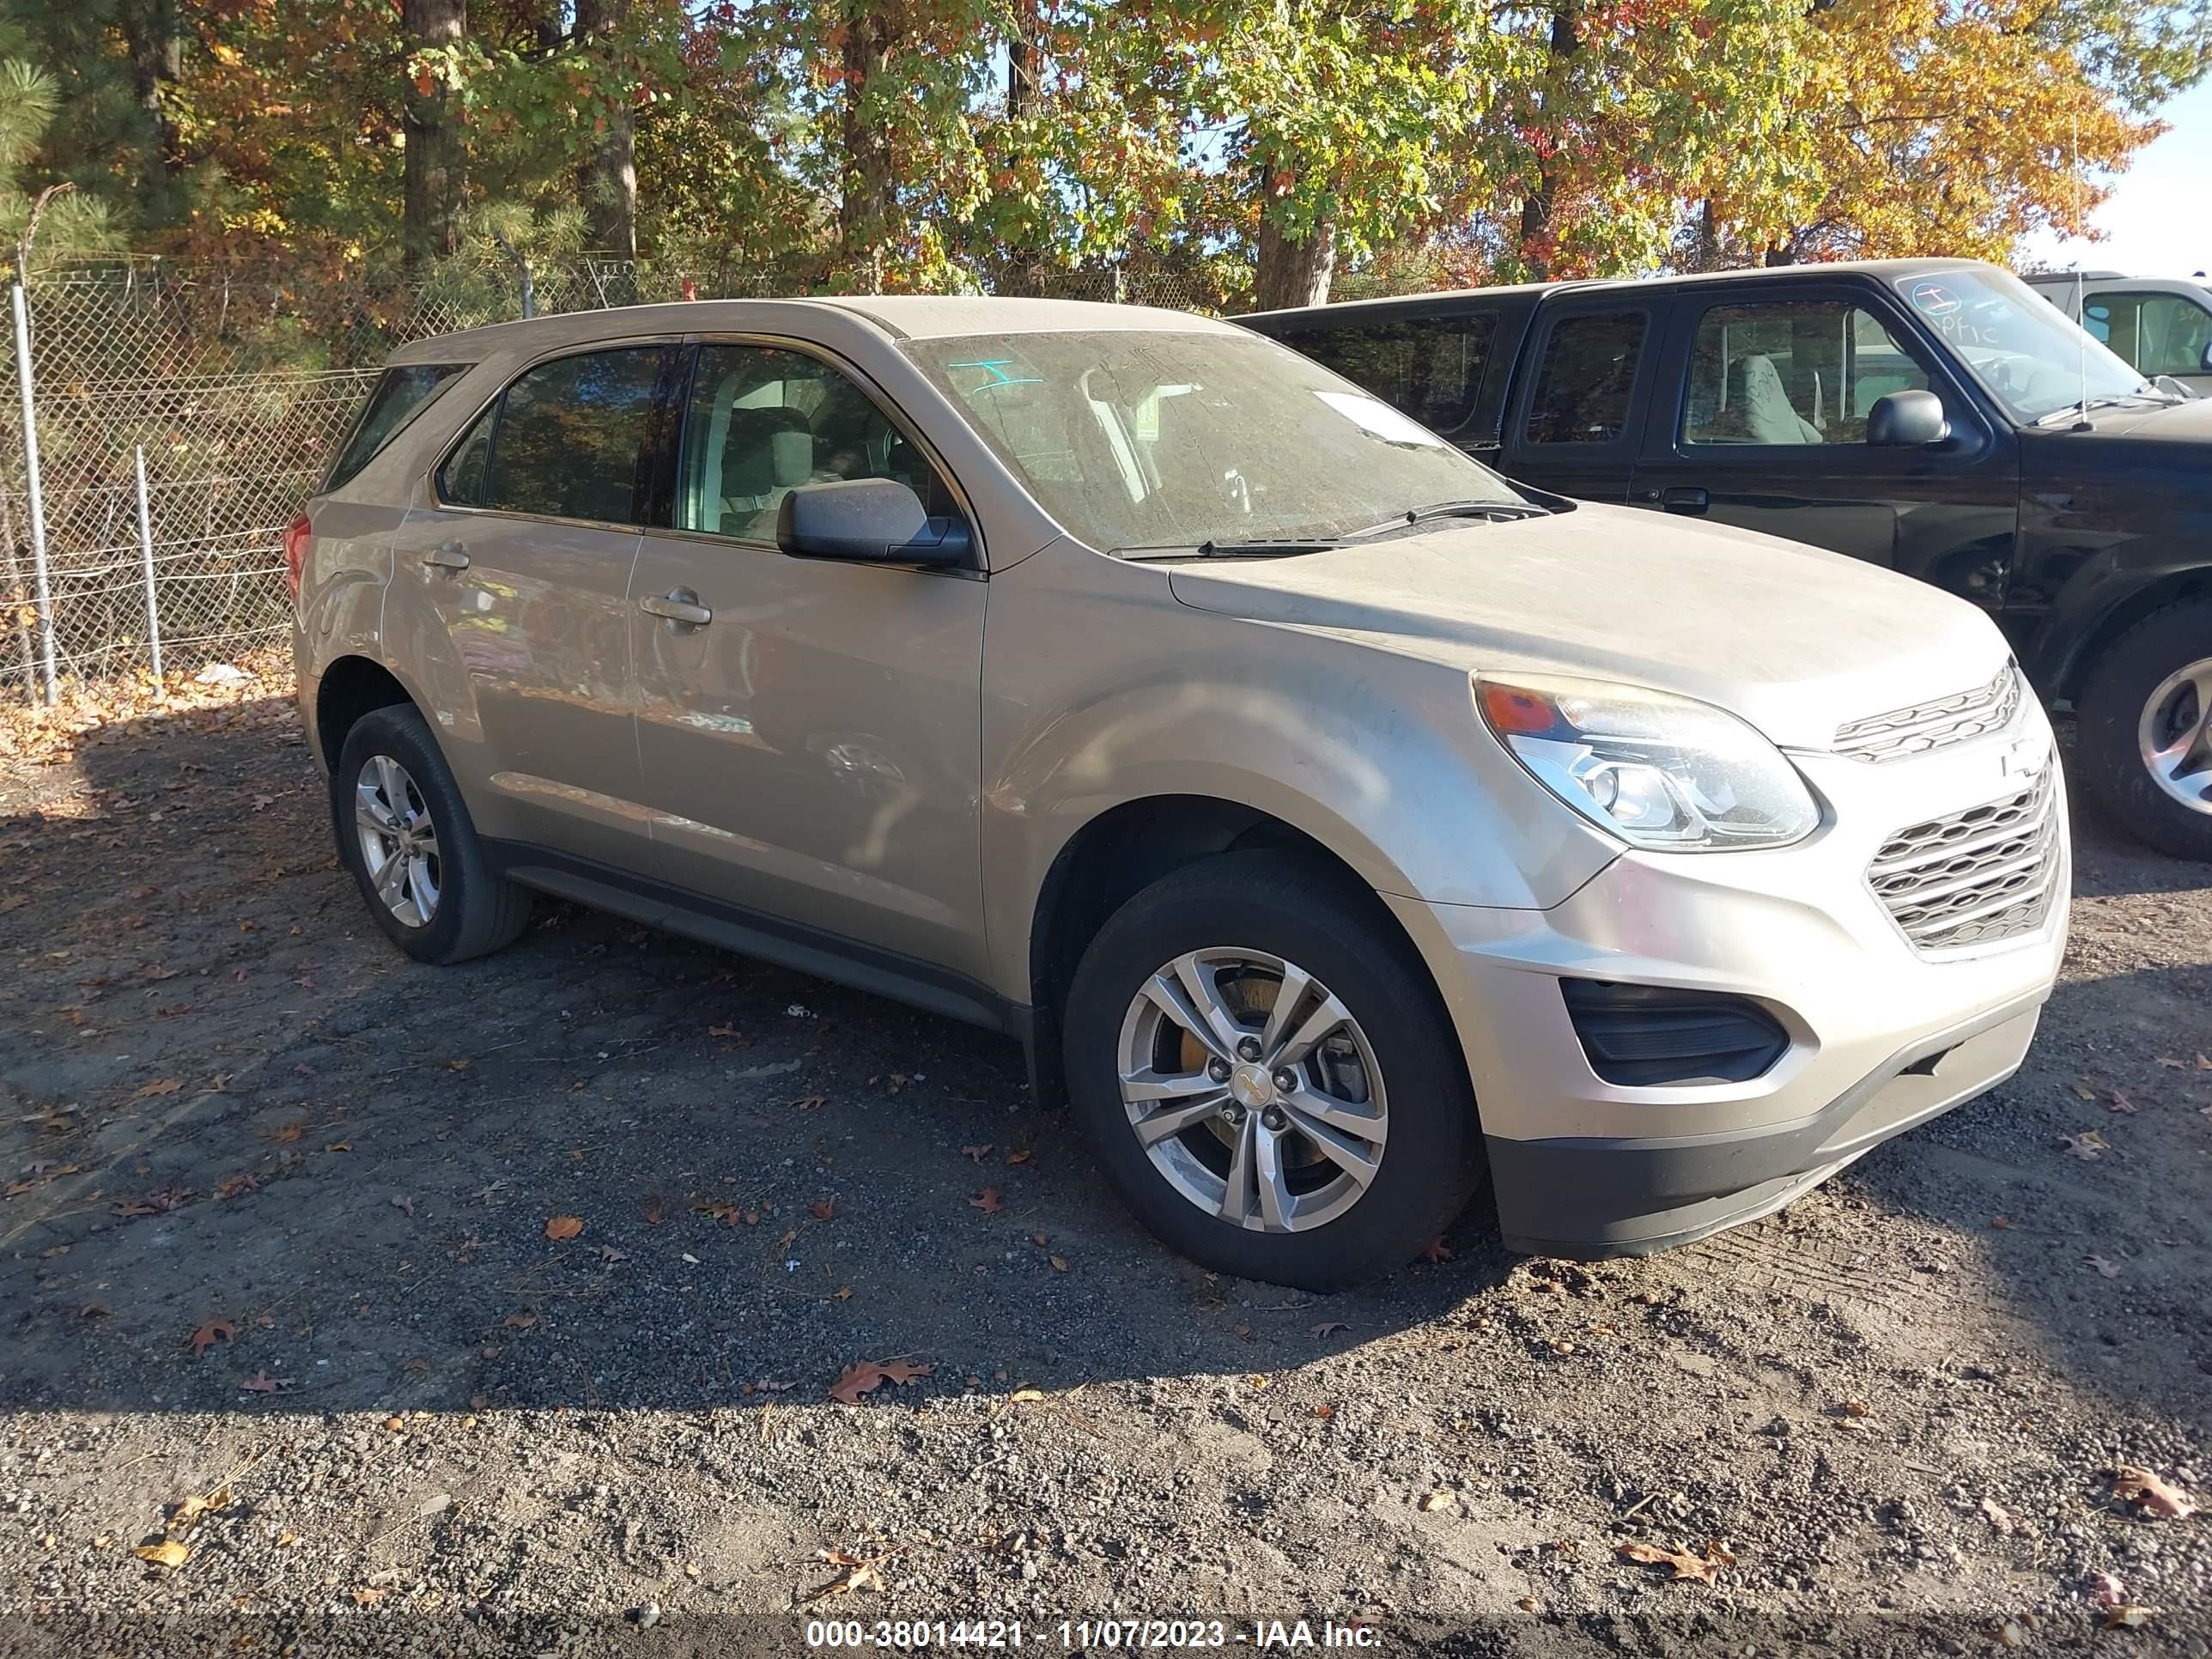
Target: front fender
point(1376, 754)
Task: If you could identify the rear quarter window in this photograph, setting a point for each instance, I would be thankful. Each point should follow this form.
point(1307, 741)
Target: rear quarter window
point(398, 395)
point(1429, 368)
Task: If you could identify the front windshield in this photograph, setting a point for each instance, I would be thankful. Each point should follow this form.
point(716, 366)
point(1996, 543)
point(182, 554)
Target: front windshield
point(2032, 357)
point(1136, 439)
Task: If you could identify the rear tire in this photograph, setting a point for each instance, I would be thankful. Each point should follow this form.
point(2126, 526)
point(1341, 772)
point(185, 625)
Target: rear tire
point(394, 800)
point(1248, 927)
point(2152, 687)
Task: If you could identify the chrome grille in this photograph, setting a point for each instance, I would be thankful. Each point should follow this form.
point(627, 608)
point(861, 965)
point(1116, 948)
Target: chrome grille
point(1986, 873)
point(1915, 731)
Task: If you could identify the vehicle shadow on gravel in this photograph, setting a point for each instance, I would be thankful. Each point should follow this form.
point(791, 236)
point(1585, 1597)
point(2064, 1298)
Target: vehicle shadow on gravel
point(256, 1160)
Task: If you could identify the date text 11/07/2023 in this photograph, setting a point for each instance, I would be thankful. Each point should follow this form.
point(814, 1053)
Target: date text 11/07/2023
point(1072, 1635)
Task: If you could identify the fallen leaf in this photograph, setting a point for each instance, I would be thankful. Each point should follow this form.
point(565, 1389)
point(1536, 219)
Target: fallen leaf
point(1438, 1499)
point(215, 1331)
point(192, 1508)
point(1014, 1158)
point(608, 1253)
point(1324, 1411)
point(975, 1154)
point(808, 1103)
point(843, 1293)
point(288, 1131)
point(339, 1146)
point(2083, 1088)
point(653, 1211)
point(457, 1066)
point(1021, 1394)
point(262, 1382)
point(2121, 1101)
point(521, 1321)
point(1703, 1570)
point(2087, 1145)
point(986, 1200)
point(563, 1226)
point(2109, 1270)
point(395, 1425)
point(1996, 1514)
point(858, 1575)
point(1438, 1250)
point(784, 1243)
point(2134, 1486)
point(160, 1085)
point(93, 1310)
point(167, 1554)
point(2110, 1591)
point(1326, 1326)
point(2000, 1222)
point(861, 1377)
point(823, 1208)
point(903, 1371)
point(2127, 1618)
point(400, 1201)
point(366, 1597)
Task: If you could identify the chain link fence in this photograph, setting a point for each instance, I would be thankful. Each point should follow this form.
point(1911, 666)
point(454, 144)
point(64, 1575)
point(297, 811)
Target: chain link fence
point(237, 383)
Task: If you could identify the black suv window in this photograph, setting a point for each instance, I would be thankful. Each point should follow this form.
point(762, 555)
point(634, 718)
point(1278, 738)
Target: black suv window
point(2159, 334)
point(763, 421)
point(567, 439)
point(1804, 372)
point(1428, 367)
point(399, 395)
point(1588, 371)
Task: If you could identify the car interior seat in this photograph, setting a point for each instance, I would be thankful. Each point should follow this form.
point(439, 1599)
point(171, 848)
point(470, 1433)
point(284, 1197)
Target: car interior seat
point(1762, 406)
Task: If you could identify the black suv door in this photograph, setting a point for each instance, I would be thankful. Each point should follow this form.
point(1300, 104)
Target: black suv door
point(1575, 416)
point(1760, 421)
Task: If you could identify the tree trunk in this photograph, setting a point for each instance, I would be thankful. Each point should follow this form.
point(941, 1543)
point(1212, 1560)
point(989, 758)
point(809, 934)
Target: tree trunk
point(1024, 59)
point(610, 182)
point(1294, 272)
point(864, 211)
point(154, 37)
point(437, 149)
point(1538, 205)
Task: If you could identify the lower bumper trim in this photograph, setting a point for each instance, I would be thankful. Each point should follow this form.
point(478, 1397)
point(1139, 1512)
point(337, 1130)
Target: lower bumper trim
point(1595, 1198)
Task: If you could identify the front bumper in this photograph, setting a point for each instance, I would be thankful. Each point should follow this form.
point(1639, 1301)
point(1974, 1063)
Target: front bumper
point(1882, 1036)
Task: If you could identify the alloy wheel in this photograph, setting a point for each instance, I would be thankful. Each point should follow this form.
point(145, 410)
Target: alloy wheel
point(399, 841)
point(1252, 1090)
point(2175, 735)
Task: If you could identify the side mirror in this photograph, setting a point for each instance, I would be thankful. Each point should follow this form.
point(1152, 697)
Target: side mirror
point(2205, 362)
point(866, 521)
point(1907, 419)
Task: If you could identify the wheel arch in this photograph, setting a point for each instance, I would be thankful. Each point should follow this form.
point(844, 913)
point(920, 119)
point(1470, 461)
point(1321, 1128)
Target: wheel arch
point(2067, 663)
point(1126, 848)
point(350, 687)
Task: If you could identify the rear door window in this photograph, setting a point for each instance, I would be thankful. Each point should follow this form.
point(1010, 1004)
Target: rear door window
point(1586, 380)
point(400, 395)
point(569, 439)
point(1427, 368)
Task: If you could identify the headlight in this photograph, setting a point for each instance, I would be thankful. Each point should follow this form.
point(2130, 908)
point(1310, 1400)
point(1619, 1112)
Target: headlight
point(1659, 771)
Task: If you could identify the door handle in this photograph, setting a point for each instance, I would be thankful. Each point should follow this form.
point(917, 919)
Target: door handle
point(447, 556)
point(681, 606)
point(1683, 498)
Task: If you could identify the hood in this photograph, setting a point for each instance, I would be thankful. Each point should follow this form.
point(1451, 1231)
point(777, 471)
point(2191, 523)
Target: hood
point(2188, 422)
point(1794, 640)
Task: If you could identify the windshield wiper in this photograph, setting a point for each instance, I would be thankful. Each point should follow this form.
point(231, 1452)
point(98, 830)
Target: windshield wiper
point(2106, 400)
point(1498, 511)
point(1257, 547)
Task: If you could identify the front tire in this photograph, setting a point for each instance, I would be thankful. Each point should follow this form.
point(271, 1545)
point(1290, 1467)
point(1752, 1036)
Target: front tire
point(1315, 1142)
point(403, 830)
point(2144, 732)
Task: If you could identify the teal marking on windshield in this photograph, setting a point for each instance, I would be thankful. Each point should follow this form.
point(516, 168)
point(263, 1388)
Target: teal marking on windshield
point(996, 368)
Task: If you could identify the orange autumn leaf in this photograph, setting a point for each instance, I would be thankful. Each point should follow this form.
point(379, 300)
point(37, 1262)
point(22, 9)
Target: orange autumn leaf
point(563, 1227)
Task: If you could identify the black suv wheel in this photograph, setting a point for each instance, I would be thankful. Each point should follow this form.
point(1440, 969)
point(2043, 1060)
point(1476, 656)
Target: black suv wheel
point(2144, 733)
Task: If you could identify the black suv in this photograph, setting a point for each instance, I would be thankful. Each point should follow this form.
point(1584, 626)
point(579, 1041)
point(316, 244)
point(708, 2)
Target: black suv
point(1935, 415)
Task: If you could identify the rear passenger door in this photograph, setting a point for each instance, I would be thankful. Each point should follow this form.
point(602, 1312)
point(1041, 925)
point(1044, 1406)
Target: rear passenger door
point(1576, 414)
point(1762, 423)
point(513, 582)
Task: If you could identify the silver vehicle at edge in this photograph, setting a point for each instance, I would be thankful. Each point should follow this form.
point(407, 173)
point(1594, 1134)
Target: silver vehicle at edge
point(1339, 822)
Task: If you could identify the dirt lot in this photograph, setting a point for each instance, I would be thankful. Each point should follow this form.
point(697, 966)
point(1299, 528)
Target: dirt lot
point(277, 1236)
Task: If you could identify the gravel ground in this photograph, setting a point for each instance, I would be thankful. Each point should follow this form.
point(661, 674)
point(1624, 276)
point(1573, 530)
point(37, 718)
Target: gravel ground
point(282, 1237)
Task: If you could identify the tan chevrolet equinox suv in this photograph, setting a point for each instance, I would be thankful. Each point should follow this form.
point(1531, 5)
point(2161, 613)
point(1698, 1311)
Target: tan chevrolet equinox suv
point(1341, 823)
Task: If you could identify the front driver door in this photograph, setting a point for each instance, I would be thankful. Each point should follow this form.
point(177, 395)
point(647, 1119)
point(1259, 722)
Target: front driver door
point(809, 730)
point(1764, 426)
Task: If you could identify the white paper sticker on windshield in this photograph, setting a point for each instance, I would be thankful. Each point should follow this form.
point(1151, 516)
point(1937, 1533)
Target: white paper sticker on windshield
point(1374, 415)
